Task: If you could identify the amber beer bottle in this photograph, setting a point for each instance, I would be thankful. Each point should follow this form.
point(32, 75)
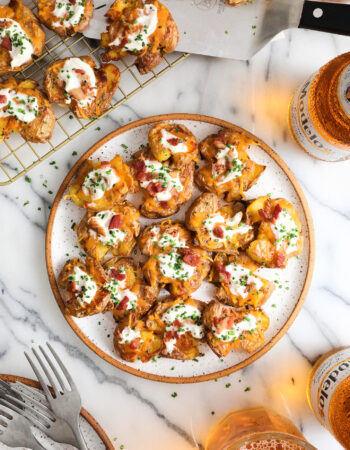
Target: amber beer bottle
point(329, 393)
point(319, 115)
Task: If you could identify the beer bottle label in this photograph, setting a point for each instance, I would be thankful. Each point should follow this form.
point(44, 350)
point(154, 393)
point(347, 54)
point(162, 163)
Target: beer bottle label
point(305, 131)
point(344, 90)
point(331, 372)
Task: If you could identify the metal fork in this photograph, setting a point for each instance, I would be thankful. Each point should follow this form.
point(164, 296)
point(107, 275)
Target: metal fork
point(36, 412)
point(15, 430)
point(65, 404)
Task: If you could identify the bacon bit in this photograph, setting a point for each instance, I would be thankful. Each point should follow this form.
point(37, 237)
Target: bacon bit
point(219, 142)
point(4, 24)
point(144, 176)
point(164, 204)
point(154, 188)
point(117, 275)
point(6, 42)
point(194, 145)
point(116, 222)
point(3, 99)
point(215, 321)
point(263, 214)
point(178, 323)
point(170, 334)
point(81, 71)
point(123, 42)
point(173, 141)
point(73, 286)
point(218, 232)
point(222, 271)
point(280, 260)
point(191, 259)
point(277, 211)
point(104, 164)
point(72, 2)
point(86, 205)
point(77, 93)
point(134, 343)
point(139, 165)
point(230, 322)
point(123, 304)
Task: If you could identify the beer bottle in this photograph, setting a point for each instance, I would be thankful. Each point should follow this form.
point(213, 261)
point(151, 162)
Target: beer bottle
point(329, 393)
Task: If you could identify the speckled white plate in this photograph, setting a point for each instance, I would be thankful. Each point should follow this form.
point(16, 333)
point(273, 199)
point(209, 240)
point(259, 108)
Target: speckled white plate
point(94, 436)
point(282, 307)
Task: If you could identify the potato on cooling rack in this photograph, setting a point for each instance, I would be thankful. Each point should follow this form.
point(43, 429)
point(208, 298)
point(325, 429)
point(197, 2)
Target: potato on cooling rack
point(181, 325)
point(21, 37)
point(112, 229)
point(238, 284)
point(77, 83)
point(129, 291)
point(65, 17)
point(100, 185)
point(25, 110)
point(280, 231)
point(229, 171)
point(219, 228)
point(146, 30)
point(84, 288)
point(228, 329)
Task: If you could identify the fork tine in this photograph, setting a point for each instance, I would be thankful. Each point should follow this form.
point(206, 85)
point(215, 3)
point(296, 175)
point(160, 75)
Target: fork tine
point(25, 414)
point(31, 390)
point(36, 403)
point(46, 370)
point(63, 367)
point(30, 408)
point(54, 370)
point(39, 376)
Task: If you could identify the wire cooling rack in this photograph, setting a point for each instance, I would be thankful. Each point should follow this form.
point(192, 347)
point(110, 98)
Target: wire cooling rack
point(18, 156)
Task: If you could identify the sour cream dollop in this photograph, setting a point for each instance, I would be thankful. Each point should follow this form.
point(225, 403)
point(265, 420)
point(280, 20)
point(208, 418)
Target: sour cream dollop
point(85, 286)
point(68, 13)
point(249, 324)
point(111, 237)
point(21, 106)
point(168, 141)
point(21, 46)
point(98, 181)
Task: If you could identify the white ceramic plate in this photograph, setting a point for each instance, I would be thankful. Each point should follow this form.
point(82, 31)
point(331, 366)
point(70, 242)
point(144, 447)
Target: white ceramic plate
point(291, 283)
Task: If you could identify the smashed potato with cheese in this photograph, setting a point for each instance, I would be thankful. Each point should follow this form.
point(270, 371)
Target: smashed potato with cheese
point(280, 232)
point(100, 185)
point(133, 341)
point(25, 110)
point(228, 329)
point(113, 229)
point(238, 283)
point(146, 30)
point(166, 187)
point(181, 325)
point(228, 171)
point(21, 37)
point(172, 140)
point(65, 17)
point(77, 83)
point(129, 292)
point(84, 286)
point(218, 228)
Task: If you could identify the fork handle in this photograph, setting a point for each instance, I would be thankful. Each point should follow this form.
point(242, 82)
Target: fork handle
point(79, 437)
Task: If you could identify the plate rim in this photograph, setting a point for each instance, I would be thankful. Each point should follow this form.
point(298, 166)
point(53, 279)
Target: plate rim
point(197, 378)
point(87, 416)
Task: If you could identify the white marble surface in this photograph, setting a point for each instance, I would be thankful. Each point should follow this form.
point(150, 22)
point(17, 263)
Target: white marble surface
point(140, 414)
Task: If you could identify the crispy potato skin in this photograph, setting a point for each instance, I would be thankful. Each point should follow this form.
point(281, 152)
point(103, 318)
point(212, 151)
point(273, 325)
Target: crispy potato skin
point(209, 204)
point(144, 348)
point(107, 81)
point(129, 223)
point(112, 196)
point(151, 207)
point(17, 11)
point(186, 346)
point(255, 298)
point(45, 13)
point(236, 2)
point(38, 130)
point(146, 295)
point(162, 152)
point(264, 250)
point(251, 342)
point(121, 15)
point(233, 189)
point(100, 303)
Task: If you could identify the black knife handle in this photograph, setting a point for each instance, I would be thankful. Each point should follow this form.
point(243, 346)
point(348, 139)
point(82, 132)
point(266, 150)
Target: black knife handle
point(335, 17)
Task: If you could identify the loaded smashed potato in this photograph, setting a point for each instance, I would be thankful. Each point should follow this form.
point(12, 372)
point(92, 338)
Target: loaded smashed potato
point(77, 83)
point(146, 30)
point(226, 244)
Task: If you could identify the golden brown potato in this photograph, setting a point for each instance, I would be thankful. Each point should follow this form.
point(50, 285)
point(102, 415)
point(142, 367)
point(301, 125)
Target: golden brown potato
point(77, 83)
point(100, 185)
point(114, 229)
point(21, 37)
point(239, 285)
point(26, 111)
point(165, 186)
point(228, 329)
point(218, 228)
point(132, 340)
point(237, 2)
point(65, 17)
point(145, 30)
point(229, 171)
point(280, 231)
point(173, 140)
point(129, 291)
point(180, 324)
point(83, 282)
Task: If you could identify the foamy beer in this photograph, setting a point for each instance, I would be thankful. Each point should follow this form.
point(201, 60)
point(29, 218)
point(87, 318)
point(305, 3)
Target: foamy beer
point(329, 393)
point(256, 428)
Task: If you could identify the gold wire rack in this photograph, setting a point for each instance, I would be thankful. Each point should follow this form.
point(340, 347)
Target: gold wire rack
point(18, 156)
